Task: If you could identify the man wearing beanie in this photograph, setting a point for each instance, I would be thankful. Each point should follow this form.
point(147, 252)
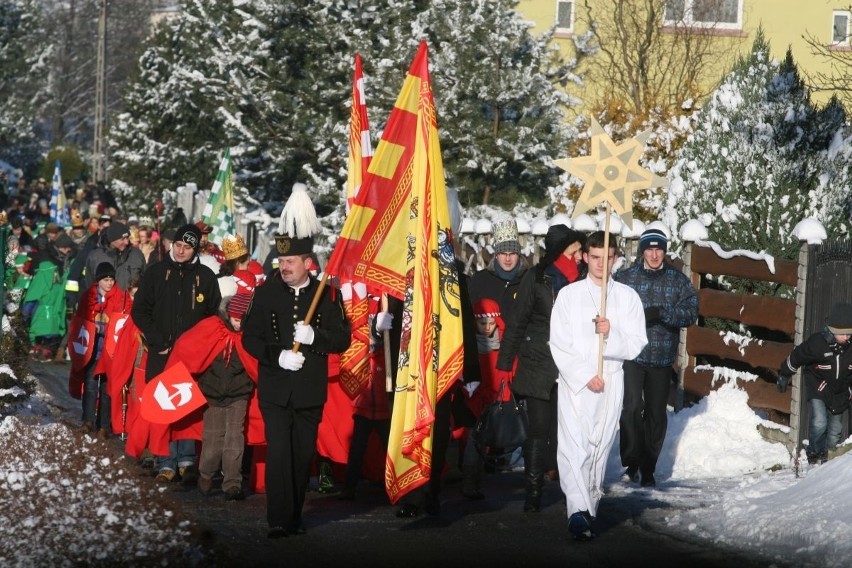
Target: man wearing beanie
point(827, 360)
point(670, 303)
point(499, 280)
point(174, 295)
point(127, 260)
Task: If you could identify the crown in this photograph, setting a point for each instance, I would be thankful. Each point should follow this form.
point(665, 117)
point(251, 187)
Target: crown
point(76, 219)
point(234, 247)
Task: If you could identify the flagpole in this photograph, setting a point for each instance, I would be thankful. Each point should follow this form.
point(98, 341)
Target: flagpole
point(313, 307)
point(604, 281)
point(386, 342)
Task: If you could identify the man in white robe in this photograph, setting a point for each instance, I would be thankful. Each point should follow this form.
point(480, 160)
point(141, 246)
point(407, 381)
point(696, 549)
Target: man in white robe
point(589, 402)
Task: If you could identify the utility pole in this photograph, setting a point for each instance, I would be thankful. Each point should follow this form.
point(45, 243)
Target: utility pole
point(99, 164)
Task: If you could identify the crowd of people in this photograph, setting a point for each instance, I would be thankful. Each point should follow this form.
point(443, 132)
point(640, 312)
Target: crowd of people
point(126, 302)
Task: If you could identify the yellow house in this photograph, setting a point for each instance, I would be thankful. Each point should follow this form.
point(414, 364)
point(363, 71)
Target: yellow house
point(786, 23)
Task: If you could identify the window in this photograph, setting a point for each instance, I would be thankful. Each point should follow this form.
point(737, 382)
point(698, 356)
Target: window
point(564, 16)
point(840, 27)
point(726, 14)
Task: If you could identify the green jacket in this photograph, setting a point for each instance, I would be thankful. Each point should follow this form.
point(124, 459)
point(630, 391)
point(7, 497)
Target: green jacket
point(48, 289)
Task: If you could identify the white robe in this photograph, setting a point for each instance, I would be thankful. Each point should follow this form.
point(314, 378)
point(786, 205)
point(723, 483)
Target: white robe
point(588, 421)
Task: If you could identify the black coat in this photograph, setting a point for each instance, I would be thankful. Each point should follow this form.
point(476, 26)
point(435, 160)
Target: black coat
point(171, 299)
point(268, 330)
point(527, 336)
point(486, 283)
point(827, 369)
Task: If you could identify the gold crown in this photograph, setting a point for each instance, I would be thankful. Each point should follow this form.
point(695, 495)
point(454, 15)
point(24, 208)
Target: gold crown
point(234, 247)
point(76, 219)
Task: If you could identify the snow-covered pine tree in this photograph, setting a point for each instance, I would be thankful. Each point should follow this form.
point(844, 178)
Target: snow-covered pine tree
point(24, 53)
point(760, 160)
point(501, 113)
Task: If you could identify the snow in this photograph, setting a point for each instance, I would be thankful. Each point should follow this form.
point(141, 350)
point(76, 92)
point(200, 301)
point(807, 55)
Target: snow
point(717, 480)
point(810, 230)
point(693, 230)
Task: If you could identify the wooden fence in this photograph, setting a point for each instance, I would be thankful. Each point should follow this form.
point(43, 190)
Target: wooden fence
point(708, 358)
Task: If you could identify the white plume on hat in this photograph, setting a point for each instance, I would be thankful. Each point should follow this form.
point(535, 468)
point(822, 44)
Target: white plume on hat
point(299, 218)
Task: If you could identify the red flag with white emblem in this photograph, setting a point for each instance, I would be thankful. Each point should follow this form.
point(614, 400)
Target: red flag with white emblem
point(171, 395)
point(81, 342)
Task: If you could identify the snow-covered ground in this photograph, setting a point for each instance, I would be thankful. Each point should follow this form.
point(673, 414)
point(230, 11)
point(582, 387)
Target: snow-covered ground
point(720, 481)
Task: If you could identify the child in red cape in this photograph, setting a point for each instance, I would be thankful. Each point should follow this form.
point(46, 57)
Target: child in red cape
point(101, 303)
point(212, 351)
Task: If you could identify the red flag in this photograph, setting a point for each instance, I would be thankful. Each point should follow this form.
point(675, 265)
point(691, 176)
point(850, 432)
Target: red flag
point(81, 342)
point(397, 239)
point(171, 395)
point(354, 362)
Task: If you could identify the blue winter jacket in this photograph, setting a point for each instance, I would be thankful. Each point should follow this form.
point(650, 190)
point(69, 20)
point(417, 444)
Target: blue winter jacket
point(670, 290)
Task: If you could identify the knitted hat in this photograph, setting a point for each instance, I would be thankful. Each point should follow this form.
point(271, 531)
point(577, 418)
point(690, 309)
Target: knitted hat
point(256, 269)
point(653, 238)
point(298, 224)
point(63, 240)
point(840, 319)
point(189, 234)
point(117, 231)
point(104, 270)
point(557, 239)
point(105, 218)
point(234, 247)
point(486, 308)
point(238, 305)
point(246, 282)
point(51, 228)
point(505, 237)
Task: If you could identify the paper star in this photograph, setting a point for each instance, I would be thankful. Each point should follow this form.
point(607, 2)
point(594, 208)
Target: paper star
point(611, 173)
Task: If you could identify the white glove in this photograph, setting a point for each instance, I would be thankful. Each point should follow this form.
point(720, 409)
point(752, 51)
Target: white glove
point(290, 360)
point(384, 321)
point(304, 334)
point(471, 387)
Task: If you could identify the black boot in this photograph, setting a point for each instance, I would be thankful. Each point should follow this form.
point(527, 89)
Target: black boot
point(535, 461)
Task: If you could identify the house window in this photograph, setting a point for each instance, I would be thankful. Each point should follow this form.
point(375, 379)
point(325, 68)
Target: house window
point(840, 27)
point(564, 16)
point(725, 14)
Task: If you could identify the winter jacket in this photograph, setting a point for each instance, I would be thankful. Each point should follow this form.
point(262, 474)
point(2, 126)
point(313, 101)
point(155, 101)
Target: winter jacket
point(528, 333)
point(672, 292)
point(486, 283)
point(47, 293)
point(173, 297)
point(226, 381)
point(127, 263)
point(827, 369)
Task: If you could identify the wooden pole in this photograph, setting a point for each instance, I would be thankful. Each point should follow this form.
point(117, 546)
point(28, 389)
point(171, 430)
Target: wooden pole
point(604, 281)
point(313, 307)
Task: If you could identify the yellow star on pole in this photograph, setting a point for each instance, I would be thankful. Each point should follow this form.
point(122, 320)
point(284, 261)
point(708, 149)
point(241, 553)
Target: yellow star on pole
point(611, 173)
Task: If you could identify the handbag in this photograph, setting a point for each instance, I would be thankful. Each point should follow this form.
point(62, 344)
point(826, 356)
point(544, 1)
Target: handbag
point(502, 426)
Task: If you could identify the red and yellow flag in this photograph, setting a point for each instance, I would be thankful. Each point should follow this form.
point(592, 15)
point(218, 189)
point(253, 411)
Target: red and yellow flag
point(397, 238)
point(355, 361)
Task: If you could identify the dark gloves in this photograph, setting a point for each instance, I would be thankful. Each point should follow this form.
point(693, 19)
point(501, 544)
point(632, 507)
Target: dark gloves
point(782, 383)
point(653, 315)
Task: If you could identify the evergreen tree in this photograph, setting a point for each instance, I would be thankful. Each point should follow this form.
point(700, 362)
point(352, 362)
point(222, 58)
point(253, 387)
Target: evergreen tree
point(761, 159)
point(24, 52)
point(501, 113)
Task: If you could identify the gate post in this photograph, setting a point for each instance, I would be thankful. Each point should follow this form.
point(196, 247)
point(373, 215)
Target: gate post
point(796, 430)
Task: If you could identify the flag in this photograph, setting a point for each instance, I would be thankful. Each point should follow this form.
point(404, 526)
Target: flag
point(170, 396)
point(58, 210)
point(355, 361)
point(219, 210)
point(360, 147)
point(397, 238)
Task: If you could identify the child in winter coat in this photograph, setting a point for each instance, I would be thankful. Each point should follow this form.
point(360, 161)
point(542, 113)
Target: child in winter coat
point(103, 301)
point(213, 348)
